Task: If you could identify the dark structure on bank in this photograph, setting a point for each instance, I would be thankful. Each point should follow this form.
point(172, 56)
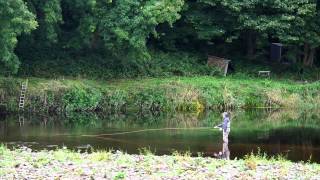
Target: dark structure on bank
point(220, 63)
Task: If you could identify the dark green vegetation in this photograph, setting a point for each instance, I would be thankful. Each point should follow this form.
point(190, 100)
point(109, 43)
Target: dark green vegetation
point(159, 94)
point(105, 39)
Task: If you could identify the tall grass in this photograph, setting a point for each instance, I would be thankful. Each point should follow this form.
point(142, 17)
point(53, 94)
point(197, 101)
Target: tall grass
point(186, 94)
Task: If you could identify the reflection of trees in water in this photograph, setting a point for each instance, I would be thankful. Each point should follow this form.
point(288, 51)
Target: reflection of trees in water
point(3, 128)
point(241, 120)
point(274, 125)
point(278, 116)
point(149, 120)
point(271, 119)
point(295, 135)
point(82, 120)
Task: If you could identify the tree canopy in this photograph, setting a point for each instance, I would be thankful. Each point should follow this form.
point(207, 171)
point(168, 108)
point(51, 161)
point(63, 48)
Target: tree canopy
point(16, 19)
point(128, 29)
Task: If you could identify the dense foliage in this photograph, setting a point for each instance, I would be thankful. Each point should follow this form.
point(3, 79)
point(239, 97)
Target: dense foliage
point(127, 37)
point(186, 94)
point(15, 19)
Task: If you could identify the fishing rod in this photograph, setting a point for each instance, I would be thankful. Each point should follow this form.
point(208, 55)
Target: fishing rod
point(146, 130)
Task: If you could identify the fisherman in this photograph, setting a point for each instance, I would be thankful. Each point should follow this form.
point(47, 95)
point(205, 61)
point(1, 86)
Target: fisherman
point(225, 126)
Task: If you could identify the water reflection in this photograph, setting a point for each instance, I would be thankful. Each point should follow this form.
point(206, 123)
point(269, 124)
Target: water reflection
point(275, 132)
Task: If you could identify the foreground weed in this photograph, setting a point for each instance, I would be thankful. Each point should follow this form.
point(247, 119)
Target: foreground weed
point(124, 160)
point(100, 156)
point(42, 159)
point(120, 175)
point(146, 151)
point(65, 155)
point(6, 158)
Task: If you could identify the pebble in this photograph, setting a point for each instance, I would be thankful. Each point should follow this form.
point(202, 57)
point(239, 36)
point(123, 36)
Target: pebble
point(154, 167)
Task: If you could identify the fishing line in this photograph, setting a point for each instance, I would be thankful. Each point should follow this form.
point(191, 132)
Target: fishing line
point(146, 130)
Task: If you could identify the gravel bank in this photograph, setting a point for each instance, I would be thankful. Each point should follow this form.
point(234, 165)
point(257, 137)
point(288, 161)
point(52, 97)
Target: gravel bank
point(63, 164)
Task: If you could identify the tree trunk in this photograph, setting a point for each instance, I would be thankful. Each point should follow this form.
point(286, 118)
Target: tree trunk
point(312, 52)
point(308, 55)
point(305, 54)
point(251, 44)
point(94, 40)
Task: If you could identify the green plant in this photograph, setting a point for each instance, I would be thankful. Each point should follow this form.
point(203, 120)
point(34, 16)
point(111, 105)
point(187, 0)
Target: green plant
point(120, 175)
point(115, 100)
point(150, 99)
point(80, 99)
point(146, 151)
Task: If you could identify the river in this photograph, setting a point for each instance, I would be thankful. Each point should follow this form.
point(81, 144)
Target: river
point(290, 133)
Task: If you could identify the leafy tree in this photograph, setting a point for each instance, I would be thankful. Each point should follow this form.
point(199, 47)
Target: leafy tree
point(252, 19)
point(304, 31)
point(15, 20)
point(125, 25)
point(49, 16)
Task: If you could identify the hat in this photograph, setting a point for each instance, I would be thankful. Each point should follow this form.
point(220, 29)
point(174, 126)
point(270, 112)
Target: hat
point(225, 114)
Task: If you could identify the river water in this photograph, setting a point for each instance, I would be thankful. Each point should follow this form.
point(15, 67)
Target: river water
point(293, 134)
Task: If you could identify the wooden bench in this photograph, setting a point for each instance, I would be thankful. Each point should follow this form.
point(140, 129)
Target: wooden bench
point(264, 73)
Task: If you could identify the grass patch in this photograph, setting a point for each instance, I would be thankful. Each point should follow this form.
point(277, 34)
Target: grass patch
point(184, 94)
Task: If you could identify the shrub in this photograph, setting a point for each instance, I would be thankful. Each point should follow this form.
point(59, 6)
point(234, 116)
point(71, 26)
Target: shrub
point(114, 100)
point(80, 99)
point(151, 99)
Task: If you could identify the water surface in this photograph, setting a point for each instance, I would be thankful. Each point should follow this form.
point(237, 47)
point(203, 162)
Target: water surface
point(293, 134)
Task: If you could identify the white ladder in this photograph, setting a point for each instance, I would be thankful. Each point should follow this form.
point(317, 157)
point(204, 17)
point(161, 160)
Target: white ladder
point(22, 98)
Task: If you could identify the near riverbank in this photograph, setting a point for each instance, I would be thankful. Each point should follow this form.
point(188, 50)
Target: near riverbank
point(186, 94)
point(64, 164)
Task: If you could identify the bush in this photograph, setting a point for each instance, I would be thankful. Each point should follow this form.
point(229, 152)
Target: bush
point(151, 99)
point(80, 99)
point(114, 100)
point(95, 66)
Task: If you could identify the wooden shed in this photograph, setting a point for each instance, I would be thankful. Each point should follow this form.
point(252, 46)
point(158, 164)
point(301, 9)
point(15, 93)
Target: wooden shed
point(218, 62)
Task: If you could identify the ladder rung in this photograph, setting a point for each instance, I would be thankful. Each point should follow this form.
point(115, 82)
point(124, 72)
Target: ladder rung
point(22, 97)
